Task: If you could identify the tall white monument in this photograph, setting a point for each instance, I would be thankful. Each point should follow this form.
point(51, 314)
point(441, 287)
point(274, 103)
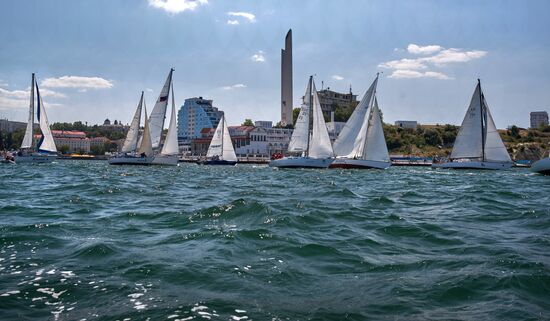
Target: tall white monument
point(286, 81)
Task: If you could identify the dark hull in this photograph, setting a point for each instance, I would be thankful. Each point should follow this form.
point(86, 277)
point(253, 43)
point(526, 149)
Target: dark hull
point(349, 166)
point(219, 162)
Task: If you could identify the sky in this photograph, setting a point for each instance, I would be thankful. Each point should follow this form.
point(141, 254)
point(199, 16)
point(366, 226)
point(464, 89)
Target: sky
point(93, 58)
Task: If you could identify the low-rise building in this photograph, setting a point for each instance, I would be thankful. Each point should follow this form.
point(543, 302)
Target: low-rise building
point(75, 141)
point(9, 126)
point(411, 124)
point(538, 118)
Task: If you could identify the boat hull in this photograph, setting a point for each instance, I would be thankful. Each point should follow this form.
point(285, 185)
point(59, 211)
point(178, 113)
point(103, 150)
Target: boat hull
point(474, 165)
point(128, 160)
point(219, 162)
point(358, 163)
point(301, 162)
point(34, 159)
point(542, 166)
point(170, 160)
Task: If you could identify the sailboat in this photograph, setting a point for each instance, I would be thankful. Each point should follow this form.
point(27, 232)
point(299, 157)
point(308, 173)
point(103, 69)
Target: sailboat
point(134, 151)
point(221, 151)
point(313, 146)
point(542, 166)
point(45, 150)
point(478, 144)
point(170, 150)
point(361, 144)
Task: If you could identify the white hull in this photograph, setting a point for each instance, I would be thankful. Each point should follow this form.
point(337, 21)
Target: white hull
point(474, 165)
point(358, 163)
point(34, 159)
point(301, 162)
point(171, 160)
point(128, 160)
point(542, 166)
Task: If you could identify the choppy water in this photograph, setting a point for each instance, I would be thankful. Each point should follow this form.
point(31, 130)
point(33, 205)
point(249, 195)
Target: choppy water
point(85, 240)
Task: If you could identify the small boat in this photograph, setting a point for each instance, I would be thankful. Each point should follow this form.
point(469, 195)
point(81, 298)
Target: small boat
point(221, 151)
point(131, 154)
point(361, 144)
point(170, 150)
point(478, 144)
point(46, 150)
point(541, 166)
point(312, 146)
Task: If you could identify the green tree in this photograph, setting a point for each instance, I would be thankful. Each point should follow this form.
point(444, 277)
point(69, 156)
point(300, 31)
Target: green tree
point(248, 122)
point(63, 149)
point(432, 137)
point(97, 150)
point(514, 131)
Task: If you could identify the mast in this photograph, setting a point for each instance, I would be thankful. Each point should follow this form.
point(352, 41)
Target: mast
point(310, 114)
point(223, 131)
point(482, 112)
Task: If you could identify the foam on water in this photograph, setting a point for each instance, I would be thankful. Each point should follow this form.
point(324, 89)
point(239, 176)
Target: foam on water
point(85, 241)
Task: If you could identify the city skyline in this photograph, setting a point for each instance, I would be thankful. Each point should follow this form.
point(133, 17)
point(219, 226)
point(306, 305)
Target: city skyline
point(93, 60)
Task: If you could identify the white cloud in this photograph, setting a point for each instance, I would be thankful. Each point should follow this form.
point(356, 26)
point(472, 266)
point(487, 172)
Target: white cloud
point(337, 77)
point(404, 73)
point(149, 90)
point(453, 55)
point(3, 83)
point(411, 64)
point(232, 22)
point(13, 99)
point(236, 86)
point(437, 57)
point(77, 82)
point(246, 15)
point(177, 6)
point(423, 50)
point(258, 57)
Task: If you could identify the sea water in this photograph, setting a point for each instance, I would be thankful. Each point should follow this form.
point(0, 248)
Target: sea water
point(85, 240)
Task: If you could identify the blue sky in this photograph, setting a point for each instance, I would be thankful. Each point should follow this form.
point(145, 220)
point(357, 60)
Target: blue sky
point(93, 58)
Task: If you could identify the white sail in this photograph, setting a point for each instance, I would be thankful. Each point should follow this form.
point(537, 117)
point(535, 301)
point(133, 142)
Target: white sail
point(299, 140)
point(319, 146)
point(146, 147)
point(375, 143)
point(156, 120)
point(27, 140)
point(351, 139)
point(221, 144)
point(469, 142)
point(494, 147)
point(171, 142)
point(46, 143)
point(131, 142)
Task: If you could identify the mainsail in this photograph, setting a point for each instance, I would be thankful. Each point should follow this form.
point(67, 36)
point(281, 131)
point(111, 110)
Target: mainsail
point(46, 143)
point(300, 135)
point(375, 147)
point(131, 142)
point(145, 146)
point(319, 146)
point(171, 142)
point(27, 140)
point(351, 139)
point(221, 145)
point(478, 137)
point(156, 120)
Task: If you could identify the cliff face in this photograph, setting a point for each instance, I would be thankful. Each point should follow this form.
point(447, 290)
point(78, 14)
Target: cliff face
point(528, 151)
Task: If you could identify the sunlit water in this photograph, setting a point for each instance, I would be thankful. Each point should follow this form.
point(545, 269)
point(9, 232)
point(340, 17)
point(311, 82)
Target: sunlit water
point(85, 240)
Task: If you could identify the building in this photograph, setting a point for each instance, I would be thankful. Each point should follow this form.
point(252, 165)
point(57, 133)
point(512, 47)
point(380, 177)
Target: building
point(286, 81)
point(278, 140)
point(539, 118)
point(263, 123)
point(406, 124)
point(75, 141)
point(8, 126)
point(334, 128)
point(330, 100)
point(193, 116)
